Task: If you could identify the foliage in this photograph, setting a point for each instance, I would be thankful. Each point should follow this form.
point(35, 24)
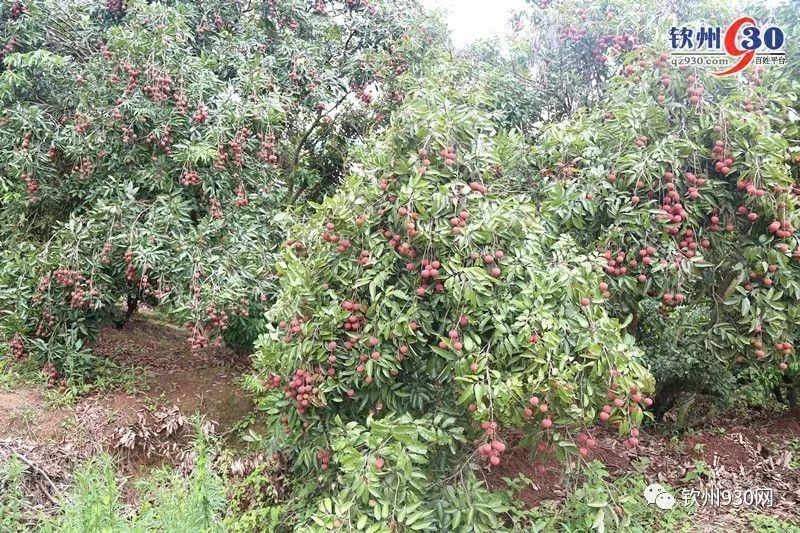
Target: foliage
point(148, 149)
point(169, 502)
point(681, 354)
point(12, 503)
point(690, 192)
point(419, 289)
point(600, 504)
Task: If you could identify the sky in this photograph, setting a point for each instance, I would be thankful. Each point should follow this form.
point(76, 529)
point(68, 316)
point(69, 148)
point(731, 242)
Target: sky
point(475, 19)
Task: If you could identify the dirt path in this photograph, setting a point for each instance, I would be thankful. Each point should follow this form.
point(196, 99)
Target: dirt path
point(147, 427)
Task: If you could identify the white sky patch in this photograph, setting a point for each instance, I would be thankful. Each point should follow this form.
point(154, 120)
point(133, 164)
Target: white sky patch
point(470, 20)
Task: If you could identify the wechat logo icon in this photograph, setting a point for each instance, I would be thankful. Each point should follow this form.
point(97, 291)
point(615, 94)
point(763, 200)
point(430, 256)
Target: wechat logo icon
point(655, 494)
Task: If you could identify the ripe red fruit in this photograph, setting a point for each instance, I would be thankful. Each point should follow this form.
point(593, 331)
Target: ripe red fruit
point(379, 462)
point(547, 423)
point(604, 416)
point(499, 446)
point(495, 272)
point(494, 460)
point(528, 412)
point(585, 301)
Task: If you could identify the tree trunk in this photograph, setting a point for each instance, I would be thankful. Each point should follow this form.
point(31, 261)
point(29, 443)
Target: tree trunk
point(133, 304)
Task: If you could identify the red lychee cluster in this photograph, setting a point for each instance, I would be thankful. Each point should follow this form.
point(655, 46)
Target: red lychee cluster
point(456, 342)
point(632, 402)
point(81, 122)
point(357, 318)
point(267, 152)
point(364, 259)
point(293, 328)
point(190, 177)
point(130, 273)
point(615, 263)
point(342, 245)
point(215, 209)
point(586, 444)
point(241, 196)
point(217, 317)
point(201, 114)
point(459, 222)
point(17, 347)
point(272, 382)
point(84, 168)
point(324, 456)
point(535, 405)
point(47, 321)
point(782, 229)
point(401, 247)
point(50, 372)
point(687, 243)
point(298, 247)
point(303, 389)
point(17, 9)
point(429, 275)
point(115, 6)
point(492, 450)
point(449, 155)
point(478, 187)
point(491, 261)
point(723, 157)
point(695, 90)
point(32, 185)
point(196, 338)
point(160, 89)
point(237, 146)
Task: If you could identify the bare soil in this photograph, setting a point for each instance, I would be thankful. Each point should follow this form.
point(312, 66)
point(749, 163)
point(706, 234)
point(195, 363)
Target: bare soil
point(146, 428)
point(759, 449)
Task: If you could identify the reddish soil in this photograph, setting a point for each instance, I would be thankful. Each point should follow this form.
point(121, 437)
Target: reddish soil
point(201, 381)
point(150, 426)
point(756, 449)
point(544, 474)
point(24, 410)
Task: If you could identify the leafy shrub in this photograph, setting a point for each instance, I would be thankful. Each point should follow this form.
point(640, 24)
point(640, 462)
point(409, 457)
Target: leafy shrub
point(417, 289)
point(12, 499)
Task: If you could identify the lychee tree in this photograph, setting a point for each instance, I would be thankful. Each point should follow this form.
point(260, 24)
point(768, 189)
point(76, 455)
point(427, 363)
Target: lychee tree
point(687, 186)
point(148, 150)
point(419, 290)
